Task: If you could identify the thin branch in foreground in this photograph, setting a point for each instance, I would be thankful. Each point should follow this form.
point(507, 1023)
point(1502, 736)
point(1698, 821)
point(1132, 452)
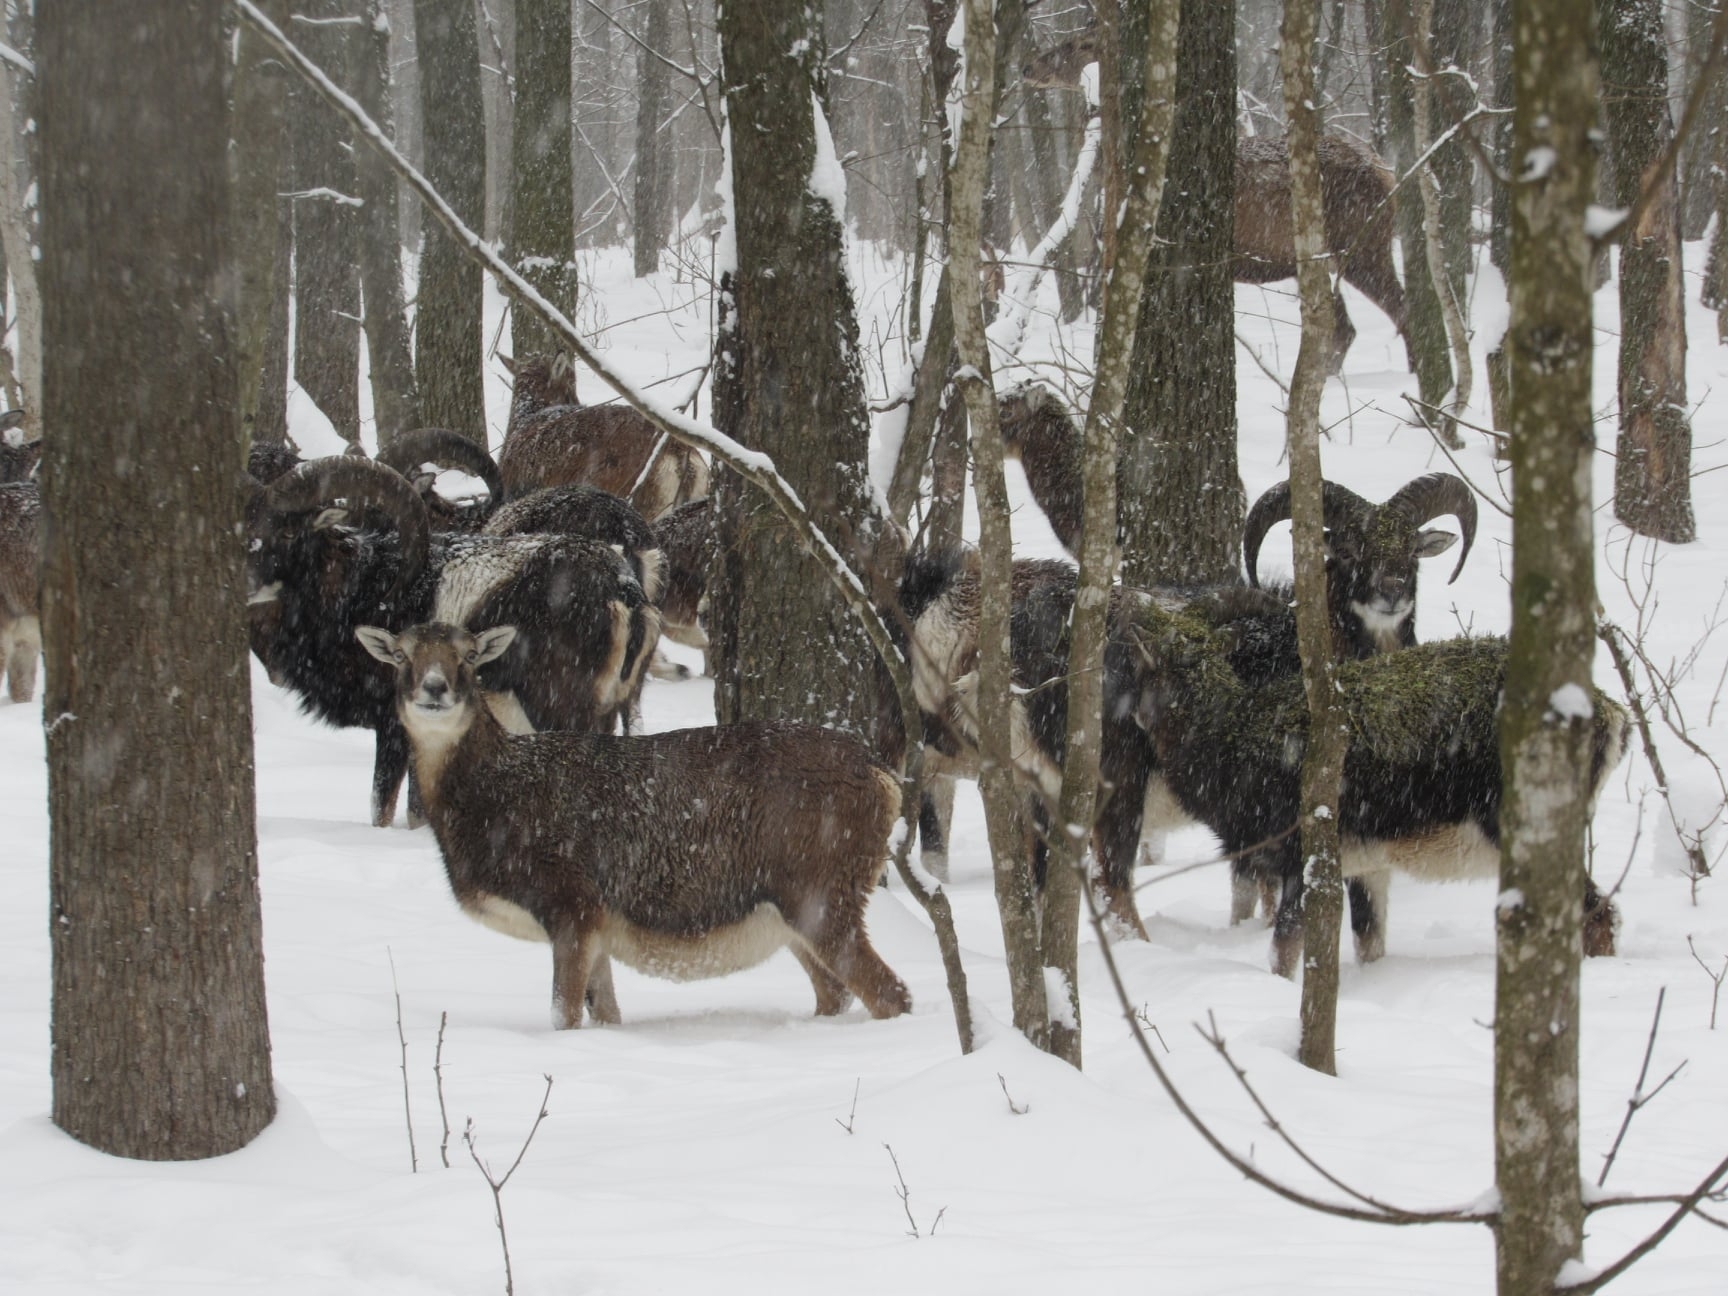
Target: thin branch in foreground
point(497, 1185)
point(905, 1195)
point(1684, 1206)
point(407, 1111)
point(853, 1114)
point(1639, 1098)
point(1019, 1109)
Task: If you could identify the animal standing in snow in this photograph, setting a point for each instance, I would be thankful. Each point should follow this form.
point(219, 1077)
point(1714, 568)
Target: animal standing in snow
point(1421, 787)
point(687, 854)
point(554, 440)
point(585, 624)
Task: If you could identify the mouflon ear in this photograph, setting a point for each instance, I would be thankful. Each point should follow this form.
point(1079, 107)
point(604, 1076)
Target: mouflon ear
point(380, 643)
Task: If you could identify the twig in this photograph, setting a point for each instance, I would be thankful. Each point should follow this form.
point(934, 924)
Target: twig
point(905, 1195)
point(438, 1078)
point(1639, 1097)
point(407, 1111)
point(1685, 1206)
point(1716, 979)
point(1013, 1106)
point(1146, 1023)
point(497, 1185)
point(851, 1115)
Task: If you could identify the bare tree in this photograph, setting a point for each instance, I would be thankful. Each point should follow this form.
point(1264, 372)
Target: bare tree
point(1545, 715)
point(1653, 465)
point(543, 222)
point(160, 1044)
point(653, 207)
point(447, 342)
point(260, 103)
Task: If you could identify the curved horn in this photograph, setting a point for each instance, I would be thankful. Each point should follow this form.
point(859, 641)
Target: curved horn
point(1274, 507)
point(447, 449)
point(366, 482)
point(1435, 495)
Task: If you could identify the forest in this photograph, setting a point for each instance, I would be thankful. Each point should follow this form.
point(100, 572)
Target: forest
point(1085, 633)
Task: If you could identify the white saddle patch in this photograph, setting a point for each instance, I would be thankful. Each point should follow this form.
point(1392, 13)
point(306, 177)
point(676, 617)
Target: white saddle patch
point(1450, 854)
point(506, 917)
point(474, 572)
point(693, 958)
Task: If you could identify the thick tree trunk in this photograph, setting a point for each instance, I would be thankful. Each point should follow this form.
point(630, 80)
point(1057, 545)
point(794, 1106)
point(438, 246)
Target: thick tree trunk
point(653, 206)
point(543, 224)
point(1500, 209)
point(447, 324)
point(260, 111)
point(326, 235)
point(395, 396)
point(270, 424)
point(791, 649)
point(1653, 464)
point(1181, 501)
point(1453, 30)
point(160, 1044)
point(1323, 759)
point(1701, 175)
point(1545, 745)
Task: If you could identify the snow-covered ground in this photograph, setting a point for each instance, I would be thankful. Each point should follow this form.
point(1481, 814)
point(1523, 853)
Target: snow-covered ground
point(723, 1139)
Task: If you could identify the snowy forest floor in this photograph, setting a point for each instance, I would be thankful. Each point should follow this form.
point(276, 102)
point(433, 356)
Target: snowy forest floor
point(723, 1139)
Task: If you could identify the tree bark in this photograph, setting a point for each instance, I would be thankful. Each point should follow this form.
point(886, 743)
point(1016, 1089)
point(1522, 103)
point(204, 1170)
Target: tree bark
point(790, 390)
point(1424, 324)
point(1700, 156)
point(1653, 463)
point(1180, 490)
point(260, 114)
point(1323, 759)
point(160, 1047)
point(1500, 208)
point(653, 207)
point(395, 395)
point(326, 235)
point(19, 226)
point(1545, 747)
point(447, 313)
point(543, 224)
point(1002, 800)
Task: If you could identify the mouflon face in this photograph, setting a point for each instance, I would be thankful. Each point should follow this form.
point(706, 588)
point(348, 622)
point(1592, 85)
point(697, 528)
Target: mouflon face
point(435, 664)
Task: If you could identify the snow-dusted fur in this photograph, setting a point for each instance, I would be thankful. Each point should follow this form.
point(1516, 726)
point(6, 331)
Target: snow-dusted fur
point(687, 854)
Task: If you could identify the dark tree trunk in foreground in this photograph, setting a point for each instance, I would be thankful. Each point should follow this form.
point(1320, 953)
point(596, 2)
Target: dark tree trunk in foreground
point(395, 396)
point(447, 327)
point(789, 648)
point(260, 104)
point(1653, 465)
point(543, 222)
point(1181, 492)
point(160, 1044)
point(653, 197)
point(1701, 153)
point(1323, 760)
point(1546, 755)
point(326, 236)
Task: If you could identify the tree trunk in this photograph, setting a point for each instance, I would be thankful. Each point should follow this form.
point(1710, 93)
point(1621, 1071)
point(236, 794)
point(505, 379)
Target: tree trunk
point(270, 425)
point(1545, 748)
point(260, 113)
point(1323, 759)
point(1116, 352)
point(1700, 166)
point(653, 218)
point(447, 344)
point(1424, 324)
point(18, 223)
point(1446, 247)
point(1653, 464)
point(395, 397)
point(326, 236)
point(160, 1044)
point(495, 49)
point(1500, 210)
point(1181, 496)
point(1003, 814)
point(792, 391)
point(543, 223)
point(1452, 32)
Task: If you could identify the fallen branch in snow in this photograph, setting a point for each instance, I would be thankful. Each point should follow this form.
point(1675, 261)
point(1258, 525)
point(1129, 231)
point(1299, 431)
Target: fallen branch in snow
point(905, 1195)
point(853, 1114)
point(497, 1185)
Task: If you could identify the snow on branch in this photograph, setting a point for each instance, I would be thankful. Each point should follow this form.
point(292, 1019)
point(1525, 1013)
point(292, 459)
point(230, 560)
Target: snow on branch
point(17, 60)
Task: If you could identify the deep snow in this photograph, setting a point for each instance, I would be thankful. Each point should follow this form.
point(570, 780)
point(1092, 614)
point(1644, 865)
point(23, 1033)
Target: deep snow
point(712, 1140)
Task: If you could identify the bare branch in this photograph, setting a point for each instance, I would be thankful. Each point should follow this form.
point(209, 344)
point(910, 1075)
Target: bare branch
point(407, 1111)
point(1639, 1097)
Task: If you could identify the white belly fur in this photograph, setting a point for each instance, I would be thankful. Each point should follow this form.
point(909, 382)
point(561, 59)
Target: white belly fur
point(1450, 854)
point(506, 917)
point(691, 958)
